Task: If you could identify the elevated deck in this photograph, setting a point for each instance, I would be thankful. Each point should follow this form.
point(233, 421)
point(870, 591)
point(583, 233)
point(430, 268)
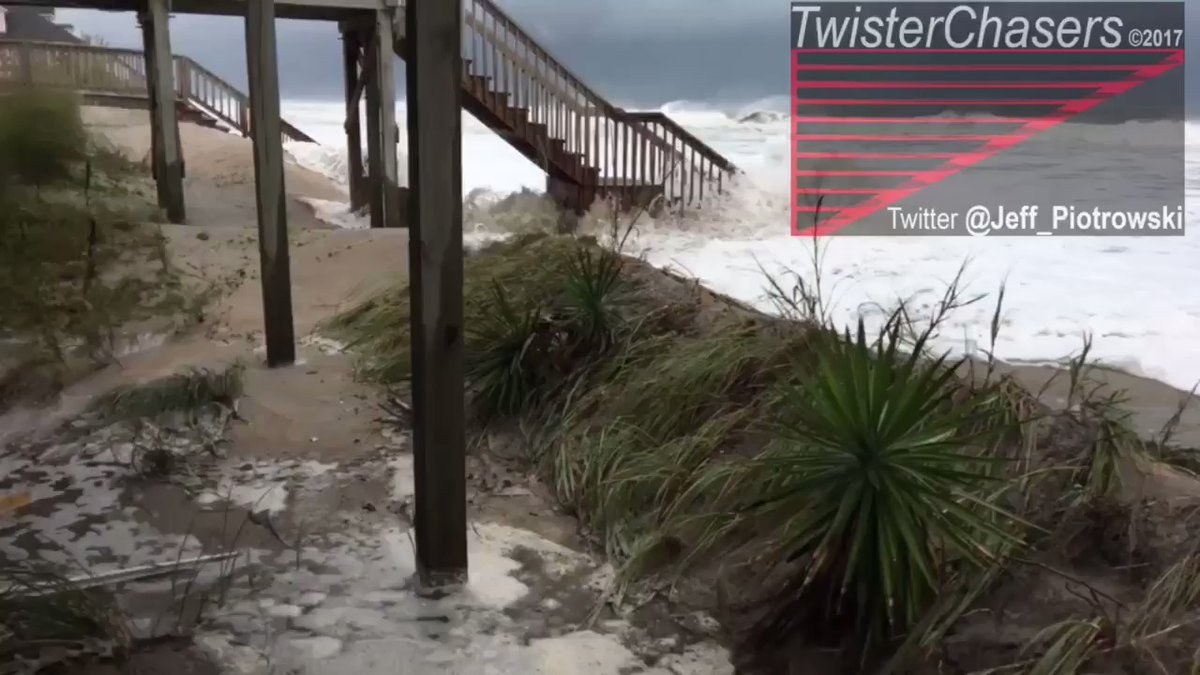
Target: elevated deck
point(589, 148)
point(106, 76)
point(328, 10)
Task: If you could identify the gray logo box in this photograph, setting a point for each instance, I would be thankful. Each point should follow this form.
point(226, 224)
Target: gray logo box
point(988, 119)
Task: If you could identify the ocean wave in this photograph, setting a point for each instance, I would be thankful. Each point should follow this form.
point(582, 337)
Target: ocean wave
point(768, 122)
point(1124, 291)
point(329, 161)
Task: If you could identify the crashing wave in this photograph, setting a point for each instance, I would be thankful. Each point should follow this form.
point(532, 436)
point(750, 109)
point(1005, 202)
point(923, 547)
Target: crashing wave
point(763, 117)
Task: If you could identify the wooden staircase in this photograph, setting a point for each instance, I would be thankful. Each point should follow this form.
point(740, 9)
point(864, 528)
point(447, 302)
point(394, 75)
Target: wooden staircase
point(589, 148)
point(117, 77)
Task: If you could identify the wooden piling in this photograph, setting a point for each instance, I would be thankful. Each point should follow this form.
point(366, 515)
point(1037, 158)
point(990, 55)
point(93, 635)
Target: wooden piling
point(266, 133)
point(434, 79)
point(351, 59)
point(164, 124)
point(385, 72)
point(374, 138)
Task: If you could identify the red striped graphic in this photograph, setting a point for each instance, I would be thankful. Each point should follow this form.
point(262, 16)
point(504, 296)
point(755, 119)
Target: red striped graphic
point(876, 155)
point(876, 199)
point(849, 84)
point(967, 68)
point(899, 138)
point(929, 101)
point(913, 120)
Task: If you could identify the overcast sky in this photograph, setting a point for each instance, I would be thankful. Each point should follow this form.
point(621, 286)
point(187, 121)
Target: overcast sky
point(637, 52)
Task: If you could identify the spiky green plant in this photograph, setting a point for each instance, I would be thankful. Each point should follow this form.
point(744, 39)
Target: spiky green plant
point(592, 303)
point(875, 482)
point(506, 359)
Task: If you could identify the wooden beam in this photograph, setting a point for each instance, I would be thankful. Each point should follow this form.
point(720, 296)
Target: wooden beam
point(164, 124)
point(265, 130)
point(326, 10)
point(434, 80)
point(351, 59)
point(385, 73)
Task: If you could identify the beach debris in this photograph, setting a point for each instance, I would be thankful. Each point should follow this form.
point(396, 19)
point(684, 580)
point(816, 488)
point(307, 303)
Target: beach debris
point(13, 503)
point(117, 576)
point(396, 408)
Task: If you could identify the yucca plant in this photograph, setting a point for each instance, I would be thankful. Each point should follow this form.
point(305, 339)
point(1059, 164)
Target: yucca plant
point(876, 484)
point(592, 300)
point(507, 355)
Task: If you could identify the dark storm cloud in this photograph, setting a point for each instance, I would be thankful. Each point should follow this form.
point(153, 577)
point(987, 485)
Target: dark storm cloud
point(637, 52)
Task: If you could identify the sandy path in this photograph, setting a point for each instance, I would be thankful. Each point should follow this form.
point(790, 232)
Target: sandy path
point(219, 170)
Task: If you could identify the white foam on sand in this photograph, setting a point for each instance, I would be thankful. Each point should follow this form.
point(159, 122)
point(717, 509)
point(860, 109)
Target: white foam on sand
point(341, 601)
point(337, 214)
point(369, 621)
point(1135, 296)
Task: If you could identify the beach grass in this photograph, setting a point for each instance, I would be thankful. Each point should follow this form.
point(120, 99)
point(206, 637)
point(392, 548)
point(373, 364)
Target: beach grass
point(80, 256)
point(867, 491)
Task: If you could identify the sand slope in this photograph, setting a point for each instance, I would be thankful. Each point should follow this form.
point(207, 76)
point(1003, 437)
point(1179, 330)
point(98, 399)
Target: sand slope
point(218, 170)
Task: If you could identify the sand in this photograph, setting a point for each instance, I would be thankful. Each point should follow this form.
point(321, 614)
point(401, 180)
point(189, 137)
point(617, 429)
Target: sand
point(314, 409)
point(218, 170)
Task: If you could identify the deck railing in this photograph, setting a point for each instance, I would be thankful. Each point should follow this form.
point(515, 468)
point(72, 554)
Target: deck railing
point(121, 73)
point(626, 149)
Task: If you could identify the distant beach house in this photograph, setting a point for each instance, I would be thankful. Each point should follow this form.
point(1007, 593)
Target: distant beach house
point(33, 23)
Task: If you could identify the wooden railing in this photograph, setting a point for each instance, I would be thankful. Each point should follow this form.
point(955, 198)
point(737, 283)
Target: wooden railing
point(106, 72)
point(697, 167)
point(625, 149)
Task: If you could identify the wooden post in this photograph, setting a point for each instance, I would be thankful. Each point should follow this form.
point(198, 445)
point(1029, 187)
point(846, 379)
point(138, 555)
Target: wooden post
point(156, 171)
point(374, 138)
point(352, 58)
point(266, 132)
point(434, 79)
point(164, 125)
point(385, 73)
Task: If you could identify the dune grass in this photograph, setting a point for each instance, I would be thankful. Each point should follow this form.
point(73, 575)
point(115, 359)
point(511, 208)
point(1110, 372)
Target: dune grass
point(40, 606)
point(873, 489)
point(183, 392)
point(78, 258)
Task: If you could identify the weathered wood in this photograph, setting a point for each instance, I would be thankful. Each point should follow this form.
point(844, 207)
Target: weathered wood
point(109, 72)
point(156, 170)
point(385, 73)
point(268, 180)
point(351, 60)
point(164, 124)
point(374, 138)
point(434, 72)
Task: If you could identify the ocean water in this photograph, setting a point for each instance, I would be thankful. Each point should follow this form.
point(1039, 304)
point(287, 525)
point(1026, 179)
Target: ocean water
point(1138, 297)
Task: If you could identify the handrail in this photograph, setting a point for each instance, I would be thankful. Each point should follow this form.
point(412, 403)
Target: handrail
point(595, 98)
point(662, 118)
point(601, 147)
point(72, 46)
point(109, 71)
